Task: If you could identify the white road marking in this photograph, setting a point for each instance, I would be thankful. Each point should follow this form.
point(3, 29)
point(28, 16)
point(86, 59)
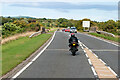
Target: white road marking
point(22, 70)
point(89, 62)
point(95, 55)
point(99, 59)
point(94, 72)
point(84, 51)
point(17, 74)
point(112, 71)
point(102, 61)
point(86, 55)
point(44, 48)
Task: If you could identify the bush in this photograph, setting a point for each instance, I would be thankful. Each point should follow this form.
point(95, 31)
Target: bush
point(10, 29)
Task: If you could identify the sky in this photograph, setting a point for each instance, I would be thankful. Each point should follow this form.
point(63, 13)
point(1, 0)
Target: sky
point(73, 9)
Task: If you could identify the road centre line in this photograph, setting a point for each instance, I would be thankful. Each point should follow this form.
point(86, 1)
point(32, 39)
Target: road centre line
point(96, 74)
point(102, 61)
point(86, 55)
point(93, 70)
point(95, 67)
point(112, 71)
point(89, 62)
point(17, 74)
point(96, 55)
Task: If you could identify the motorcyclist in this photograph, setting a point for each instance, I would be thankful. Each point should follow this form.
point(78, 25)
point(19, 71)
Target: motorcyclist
point(73, 38)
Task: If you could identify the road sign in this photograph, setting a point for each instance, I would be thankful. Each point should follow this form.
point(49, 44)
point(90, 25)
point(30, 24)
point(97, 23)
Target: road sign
point(86, 24)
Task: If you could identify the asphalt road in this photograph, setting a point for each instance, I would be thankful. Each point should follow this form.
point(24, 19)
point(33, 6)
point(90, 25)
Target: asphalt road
point(105, 51)
point(57, 62)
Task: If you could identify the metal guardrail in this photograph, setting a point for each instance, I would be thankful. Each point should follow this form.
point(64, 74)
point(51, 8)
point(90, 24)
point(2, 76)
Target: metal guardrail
point(105, 33)
point(35, 34)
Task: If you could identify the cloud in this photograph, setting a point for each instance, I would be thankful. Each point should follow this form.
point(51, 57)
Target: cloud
point(65, 6)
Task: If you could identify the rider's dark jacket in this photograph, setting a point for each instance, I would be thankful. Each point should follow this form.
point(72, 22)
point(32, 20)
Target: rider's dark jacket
point(73, 39)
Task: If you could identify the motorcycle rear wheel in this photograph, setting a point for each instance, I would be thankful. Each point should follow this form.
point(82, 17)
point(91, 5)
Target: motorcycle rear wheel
point(73, 53)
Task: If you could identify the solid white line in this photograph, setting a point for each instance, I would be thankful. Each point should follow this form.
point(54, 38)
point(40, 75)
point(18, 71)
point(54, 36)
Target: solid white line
point(90, 50)
point(44, 48)
point(94, 72)
point(17, 74)
point(102, 61)
point(95, 55)
point(112, 71)
point(22, 70)
point(99, 59)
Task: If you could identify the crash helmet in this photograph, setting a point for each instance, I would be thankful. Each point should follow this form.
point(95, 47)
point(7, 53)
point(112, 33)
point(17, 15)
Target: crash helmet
point(72, 35)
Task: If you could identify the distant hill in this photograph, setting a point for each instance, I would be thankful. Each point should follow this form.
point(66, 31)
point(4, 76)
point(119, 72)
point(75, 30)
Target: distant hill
point(23, 17)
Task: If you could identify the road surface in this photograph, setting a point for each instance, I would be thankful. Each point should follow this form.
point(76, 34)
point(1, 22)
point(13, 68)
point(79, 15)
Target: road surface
point(57, 62)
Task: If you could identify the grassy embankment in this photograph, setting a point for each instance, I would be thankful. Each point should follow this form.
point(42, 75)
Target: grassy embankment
point(116, 39)
point(14, 52)
point(52, 30)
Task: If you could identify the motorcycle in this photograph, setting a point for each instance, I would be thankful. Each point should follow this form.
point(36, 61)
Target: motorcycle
point(73, 48)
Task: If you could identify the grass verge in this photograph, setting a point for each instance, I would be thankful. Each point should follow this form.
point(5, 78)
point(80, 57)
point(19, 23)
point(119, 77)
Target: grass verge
point(14, 52)
point(106, 37)
point(53, 30)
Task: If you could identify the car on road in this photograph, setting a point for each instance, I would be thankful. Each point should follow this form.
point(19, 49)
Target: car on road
point(73, 30)
point(63, 29)
point(67, 30)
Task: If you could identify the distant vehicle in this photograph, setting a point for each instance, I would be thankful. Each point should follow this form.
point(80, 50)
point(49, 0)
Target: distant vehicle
point(63, 29)
point(68, 27)
point(73, 30)
point(67, 30)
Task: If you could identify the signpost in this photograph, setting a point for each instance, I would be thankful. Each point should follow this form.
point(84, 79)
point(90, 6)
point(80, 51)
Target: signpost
point(86, 24)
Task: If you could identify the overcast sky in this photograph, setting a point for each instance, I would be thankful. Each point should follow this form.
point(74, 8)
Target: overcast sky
point(73, 9)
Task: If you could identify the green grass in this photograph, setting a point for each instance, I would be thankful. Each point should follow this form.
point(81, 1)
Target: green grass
point(18, 50)
point(105, 37)
point(54, 29)
point(0, 27)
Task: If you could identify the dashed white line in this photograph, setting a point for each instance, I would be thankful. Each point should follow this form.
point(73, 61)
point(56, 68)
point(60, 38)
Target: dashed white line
point(94, 72)
point(86, 55)
point(89, 62)
point(96, 66)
